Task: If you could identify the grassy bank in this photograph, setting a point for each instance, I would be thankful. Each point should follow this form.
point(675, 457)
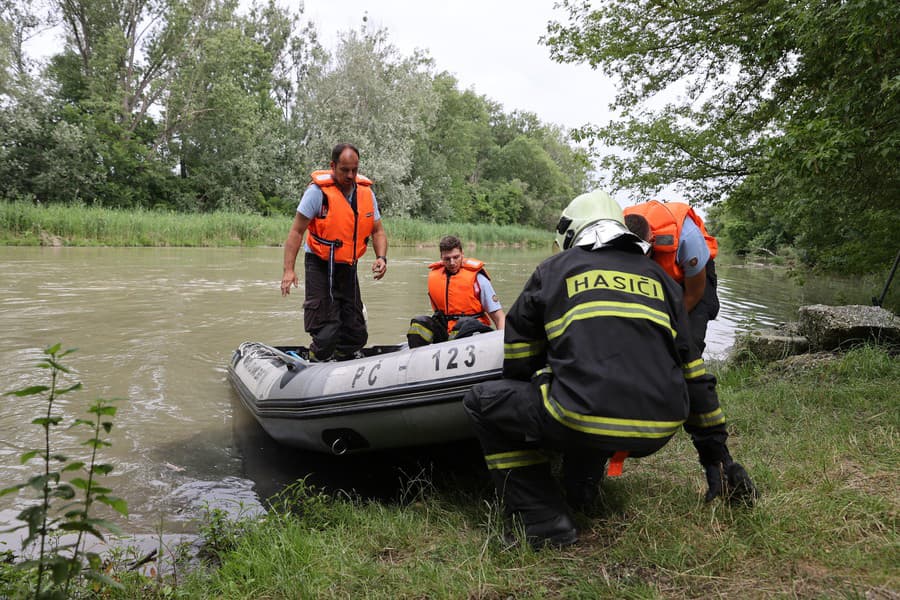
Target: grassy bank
point(24, 224)
point(820, 437)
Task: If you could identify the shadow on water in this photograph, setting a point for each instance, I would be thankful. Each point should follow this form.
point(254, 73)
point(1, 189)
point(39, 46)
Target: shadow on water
point(386, 476)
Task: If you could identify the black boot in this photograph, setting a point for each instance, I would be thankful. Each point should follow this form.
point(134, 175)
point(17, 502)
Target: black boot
point(582, 495)
point(555, 532)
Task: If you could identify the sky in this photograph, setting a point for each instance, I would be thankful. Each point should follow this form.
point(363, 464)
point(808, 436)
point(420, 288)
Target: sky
point(490, 46)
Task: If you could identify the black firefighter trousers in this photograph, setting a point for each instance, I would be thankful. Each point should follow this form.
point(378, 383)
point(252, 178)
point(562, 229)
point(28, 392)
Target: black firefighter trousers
point(333, 310)
point(516, 432)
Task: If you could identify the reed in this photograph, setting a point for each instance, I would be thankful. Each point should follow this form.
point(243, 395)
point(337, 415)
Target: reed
point(27, 224)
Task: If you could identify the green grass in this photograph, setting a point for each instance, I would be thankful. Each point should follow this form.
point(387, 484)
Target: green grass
point(820, 439)
point(26, 224)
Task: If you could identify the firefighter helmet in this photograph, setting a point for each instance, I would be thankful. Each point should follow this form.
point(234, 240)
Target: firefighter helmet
point(585, 210)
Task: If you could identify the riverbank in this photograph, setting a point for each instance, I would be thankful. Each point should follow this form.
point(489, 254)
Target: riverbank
point(819, 437)
point(25, 224)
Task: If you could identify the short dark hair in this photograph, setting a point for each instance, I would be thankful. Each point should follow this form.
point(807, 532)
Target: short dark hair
point(449, 242)
point(339, 149)
point(639, 226)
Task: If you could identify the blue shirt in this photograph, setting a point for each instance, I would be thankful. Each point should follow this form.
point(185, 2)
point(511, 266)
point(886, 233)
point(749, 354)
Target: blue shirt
point(311, 205)
point(488, 296)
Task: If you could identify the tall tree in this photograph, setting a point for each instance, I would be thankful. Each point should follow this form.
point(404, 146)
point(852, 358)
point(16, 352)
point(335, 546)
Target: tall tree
point(371, 95)
point(785, 108)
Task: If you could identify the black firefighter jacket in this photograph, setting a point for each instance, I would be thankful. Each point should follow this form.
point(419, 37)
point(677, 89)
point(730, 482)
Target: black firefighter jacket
point(611, 327)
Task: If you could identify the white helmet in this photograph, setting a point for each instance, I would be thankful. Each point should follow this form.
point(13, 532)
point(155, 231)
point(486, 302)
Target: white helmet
point(585, 210)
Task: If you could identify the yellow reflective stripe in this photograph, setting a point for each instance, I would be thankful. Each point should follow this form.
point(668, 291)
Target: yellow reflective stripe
point(694, 369)
point(522, 349)
point(710, 419)
point(545, 371)
point(606, 308)
point(420, 330)
point(628, 428)
point(514, 459)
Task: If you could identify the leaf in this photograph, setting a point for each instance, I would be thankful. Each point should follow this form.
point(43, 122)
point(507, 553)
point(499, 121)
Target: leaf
point(80, 483)
point(71, 388)
point(73, 466)
point(60, 569)
point(108, 525)
point(104, 579)
point(117, 504)
point(29, 391)
point(52, 350)
point(59, 367)
point(12, 489)
point(104, 410)
point(103, 469)
point(64, 491)
point(29, 455)
point(59, 457)
point(39, 481)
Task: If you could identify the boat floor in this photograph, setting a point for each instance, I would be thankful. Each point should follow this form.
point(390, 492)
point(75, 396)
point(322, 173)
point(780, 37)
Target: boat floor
point(303, 351)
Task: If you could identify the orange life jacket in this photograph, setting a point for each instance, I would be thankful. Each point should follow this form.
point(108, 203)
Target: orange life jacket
point(337, 230)
point(454, 295)
point(666, 220)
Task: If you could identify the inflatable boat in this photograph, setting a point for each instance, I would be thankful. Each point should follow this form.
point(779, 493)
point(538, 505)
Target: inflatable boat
point(391, 397)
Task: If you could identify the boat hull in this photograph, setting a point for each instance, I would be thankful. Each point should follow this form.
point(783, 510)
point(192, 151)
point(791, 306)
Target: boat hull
point(395, 397)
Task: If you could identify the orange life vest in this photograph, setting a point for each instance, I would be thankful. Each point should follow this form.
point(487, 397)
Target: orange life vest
point(666, 220)
point(454, 295)
point(337, 230)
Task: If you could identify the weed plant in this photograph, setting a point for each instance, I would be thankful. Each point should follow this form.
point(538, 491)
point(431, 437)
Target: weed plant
point(56, 565)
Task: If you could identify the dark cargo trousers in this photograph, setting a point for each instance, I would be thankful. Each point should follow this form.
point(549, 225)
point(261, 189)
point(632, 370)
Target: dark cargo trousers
point(333, 309)
point(705, 310)
point(515, 432)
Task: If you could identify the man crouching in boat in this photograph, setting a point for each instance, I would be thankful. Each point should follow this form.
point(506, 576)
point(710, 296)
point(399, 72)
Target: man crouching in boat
point(598, 365)
point(340, 211)
point(462, 296)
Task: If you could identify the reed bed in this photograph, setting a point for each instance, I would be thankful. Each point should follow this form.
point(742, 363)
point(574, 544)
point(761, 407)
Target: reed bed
point(27, 224)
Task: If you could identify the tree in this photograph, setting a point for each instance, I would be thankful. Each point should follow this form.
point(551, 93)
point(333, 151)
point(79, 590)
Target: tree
point(449, 154)
point(790, 105)
point(377, 99)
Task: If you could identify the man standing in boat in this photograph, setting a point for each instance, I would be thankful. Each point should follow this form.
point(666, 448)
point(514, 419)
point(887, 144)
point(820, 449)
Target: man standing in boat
point(681, 246)
point(341, 214)
point(598, 366)
point(461, 295)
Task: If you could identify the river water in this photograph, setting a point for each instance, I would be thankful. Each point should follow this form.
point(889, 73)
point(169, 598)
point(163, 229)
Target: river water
point(155, 328)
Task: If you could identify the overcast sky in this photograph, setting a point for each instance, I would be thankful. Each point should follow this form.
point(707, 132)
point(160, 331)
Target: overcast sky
point(490, 46)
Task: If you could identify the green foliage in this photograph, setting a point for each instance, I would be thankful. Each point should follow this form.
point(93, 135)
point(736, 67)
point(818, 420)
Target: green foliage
point(786, 111)
point(202, 107)
point(23, 223)
point(58, 565)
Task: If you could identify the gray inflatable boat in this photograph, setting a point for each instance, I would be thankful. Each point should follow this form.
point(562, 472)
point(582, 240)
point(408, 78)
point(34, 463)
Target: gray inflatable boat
point(392, 397)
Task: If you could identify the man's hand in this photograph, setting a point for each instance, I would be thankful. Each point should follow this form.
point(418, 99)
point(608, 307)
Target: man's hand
point(379, 267)
point(730, 480)
point(287, 280)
